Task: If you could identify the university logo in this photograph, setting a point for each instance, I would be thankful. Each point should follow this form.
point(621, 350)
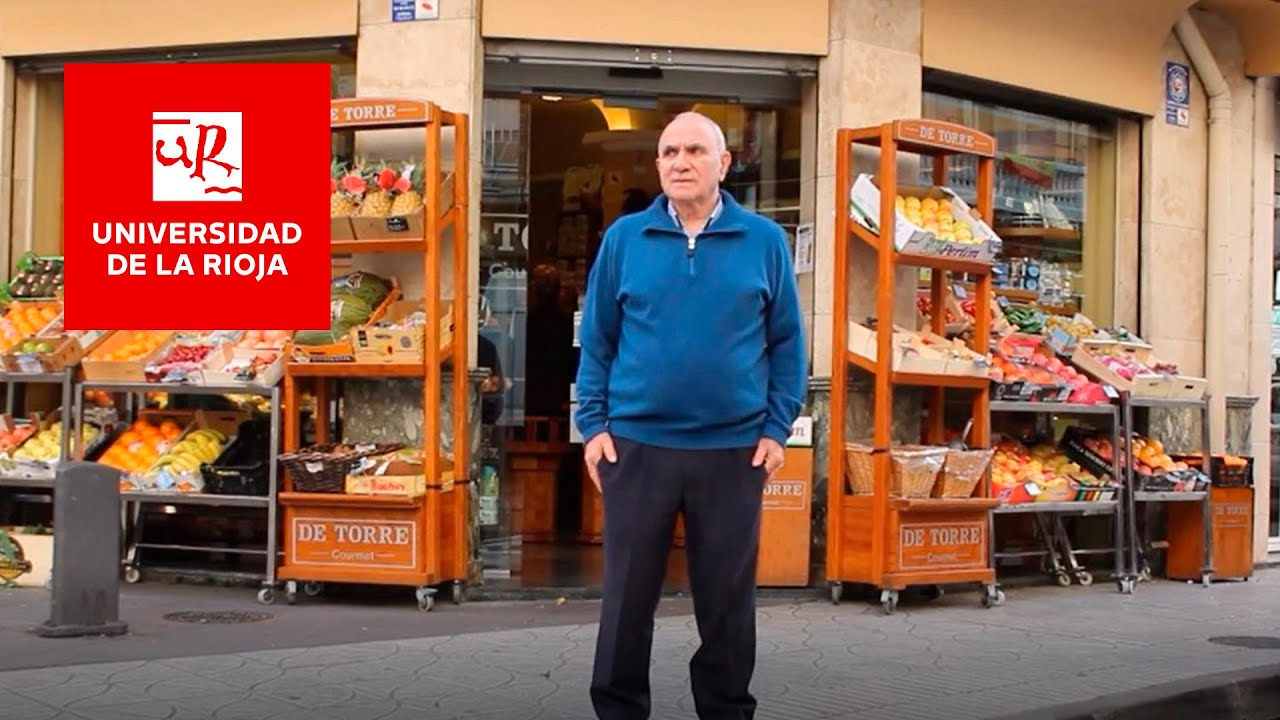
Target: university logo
point(218, 176)
point(198, 156)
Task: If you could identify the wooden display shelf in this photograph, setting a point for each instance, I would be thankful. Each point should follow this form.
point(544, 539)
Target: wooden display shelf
point(957, 382)
point(380, 539)
point(356, 369)
point(352, 247)
point(933, 262)
point(891, 542)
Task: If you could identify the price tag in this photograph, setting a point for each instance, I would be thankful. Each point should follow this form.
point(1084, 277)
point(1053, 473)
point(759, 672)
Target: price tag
point(1059, 340)
point(1110, 392)
point(1003, 302)
point(959, 292)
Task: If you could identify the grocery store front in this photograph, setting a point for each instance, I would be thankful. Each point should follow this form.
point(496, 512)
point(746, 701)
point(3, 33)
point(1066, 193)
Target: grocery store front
point(570, 135)
point(1108, 184)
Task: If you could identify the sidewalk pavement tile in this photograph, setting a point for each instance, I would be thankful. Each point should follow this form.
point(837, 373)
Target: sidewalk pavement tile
point(1045, 647)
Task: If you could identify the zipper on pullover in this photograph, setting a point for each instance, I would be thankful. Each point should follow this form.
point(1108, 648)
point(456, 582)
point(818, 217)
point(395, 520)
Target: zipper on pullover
point(689, 247)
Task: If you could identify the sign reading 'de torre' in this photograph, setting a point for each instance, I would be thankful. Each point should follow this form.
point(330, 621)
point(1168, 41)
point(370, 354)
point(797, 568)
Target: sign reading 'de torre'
point(194, 196)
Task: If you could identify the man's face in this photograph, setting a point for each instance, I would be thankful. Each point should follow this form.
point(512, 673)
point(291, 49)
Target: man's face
point(690, 165)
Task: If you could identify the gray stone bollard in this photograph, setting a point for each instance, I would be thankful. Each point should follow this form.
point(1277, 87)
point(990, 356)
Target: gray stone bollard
point(86, 553)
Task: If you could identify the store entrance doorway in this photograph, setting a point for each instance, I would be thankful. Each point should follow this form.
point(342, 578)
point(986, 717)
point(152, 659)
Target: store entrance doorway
point(559, 168)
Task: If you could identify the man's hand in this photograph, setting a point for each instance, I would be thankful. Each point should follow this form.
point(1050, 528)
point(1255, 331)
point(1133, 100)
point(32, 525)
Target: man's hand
point(769, 454)
point(600, 446)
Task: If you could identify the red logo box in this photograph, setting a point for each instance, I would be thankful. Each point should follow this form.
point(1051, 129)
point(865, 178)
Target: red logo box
point(195, 196)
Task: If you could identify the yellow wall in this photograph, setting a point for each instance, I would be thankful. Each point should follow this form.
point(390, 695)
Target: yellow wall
point(798, 27)
point(27, 27)
point(1099, 51)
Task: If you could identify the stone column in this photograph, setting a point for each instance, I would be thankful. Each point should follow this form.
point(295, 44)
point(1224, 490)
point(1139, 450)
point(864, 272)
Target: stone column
point(439, 61)
point(871, 75)
point(1265, 148)
point(6, 158)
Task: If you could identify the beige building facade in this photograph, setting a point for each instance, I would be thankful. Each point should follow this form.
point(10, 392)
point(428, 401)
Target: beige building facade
point(1162, 220)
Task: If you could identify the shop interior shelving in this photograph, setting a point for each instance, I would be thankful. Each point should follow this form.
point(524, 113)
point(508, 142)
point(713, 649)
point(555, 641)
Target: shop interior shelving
point(864, 531)
point(133, 502)
point(1140, 544)
point(1060, 558)
point(438, 517)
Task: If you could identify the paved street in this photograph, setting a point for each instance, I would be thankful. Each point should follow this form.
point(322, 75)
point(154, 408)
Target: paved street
point(1045, 647)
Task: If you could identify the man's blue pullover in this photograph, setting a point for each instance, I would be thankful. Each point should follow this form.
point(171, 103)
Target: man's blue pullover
point(692, 345)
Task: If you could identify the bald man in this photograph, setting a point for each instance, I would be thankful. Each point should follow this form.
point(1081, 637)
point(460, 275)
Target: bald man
point(693, 369)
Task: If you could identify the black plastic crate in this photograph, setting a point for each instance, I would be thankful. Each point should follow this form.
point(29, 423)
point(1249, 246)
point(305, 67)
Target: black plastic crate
point(1073, 445)
point(242, 468)
point(1220, 473)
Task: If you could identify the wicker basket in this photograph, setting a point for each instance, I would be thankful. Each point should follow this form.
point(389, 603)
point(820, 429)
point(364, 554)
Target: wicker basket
point(324, 468)
point(860, 468)
point(915, 470)
point(962, 472)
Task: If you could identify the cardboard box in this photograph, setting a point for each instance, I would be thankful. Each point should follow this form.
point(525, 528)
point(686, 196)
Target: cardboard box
point(373, 343)
point(407, 227)
point(908, 237)
point(65, 351)
point(127, 371)
point(216, 371)
point(399, 474)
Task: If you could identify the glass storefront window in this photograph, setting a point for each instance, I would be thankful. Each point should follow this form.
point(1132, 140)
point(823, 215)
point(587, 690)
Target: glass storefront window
point(557, 171)
point(1054, 203)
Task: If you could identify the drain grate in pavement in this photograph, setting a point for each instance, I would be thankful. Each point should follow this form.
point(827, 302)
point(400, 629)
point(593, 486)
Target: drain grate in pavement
point(1253, 642)
point(218, 617)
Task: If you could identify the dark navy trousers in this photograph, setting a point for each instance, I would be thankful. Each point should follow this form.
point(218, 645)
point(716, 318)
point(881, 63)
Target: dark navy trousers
point(719, 493)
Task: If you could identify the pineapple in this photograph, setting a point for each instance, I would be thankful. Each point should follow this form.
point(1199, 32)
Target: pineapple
point(377, 202)
point(408, 191)
point(341, 197)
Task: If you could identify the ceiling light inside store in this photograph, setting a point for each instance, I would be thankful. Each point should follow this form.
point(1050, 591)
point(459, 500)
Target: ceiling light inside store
point(552, 98)
point(615, 117)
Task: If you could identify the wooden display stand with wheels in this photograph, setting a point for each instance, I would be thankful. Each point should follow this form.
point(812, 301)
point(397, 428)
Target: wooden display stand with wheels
point(878, 539)
point(416, 539)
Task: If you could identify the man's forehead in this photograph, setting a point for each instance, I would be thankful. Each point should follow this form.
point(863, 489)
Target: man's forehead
point(686, 132)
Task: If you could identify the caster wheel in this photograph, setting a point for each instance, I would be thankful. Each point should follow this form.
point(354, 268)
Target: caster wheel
point(1126, 585)
point(1144, 575)
point(992, 597)
point(312, 589)
point(889, 601)
point(933, 592)
point(835, 593)
point(1084, 578)
point(1062, 578)
point(132, 575)
point(426, 599)
point(266, 596)
point(458, 592)
point(291, 592)
point(1206, 580)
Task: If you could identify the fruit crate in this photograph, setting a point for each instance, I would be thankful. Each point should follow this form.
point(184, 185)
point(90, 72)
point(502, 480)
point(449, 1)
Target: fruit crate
point(1143, 384)
point(341, 350)
point(400, 227)
point(1222, 473)
point(40, 277)
point(1089, 488)
point(1076, 443)
point(43, 355)
point(864, 208)
point(243, 467)
point(96, 367)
